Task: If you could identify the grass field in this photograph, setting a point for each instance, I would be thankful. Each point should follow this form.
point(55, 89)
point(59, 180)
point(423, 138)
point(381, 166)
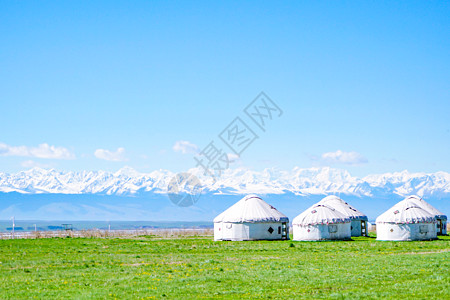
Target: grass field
point(197, 267)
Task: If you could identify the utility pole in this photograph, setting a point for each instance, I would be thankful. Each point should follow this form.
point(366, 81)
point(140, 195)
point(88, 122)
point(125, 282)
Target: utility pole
point(13, 225)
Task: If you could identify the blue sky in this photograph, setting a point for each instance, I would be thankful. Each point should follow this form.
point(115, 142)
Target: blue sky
point(100, 85)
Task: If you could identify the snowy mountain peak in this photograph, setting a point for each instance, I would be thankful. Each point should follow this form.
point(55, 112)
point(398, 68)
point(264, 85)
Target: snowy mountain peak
point(311, 181)
point(127, 172)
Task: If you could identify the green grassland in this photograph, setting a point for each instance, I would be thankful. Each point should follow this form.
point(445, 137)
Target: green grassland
point(197, 267)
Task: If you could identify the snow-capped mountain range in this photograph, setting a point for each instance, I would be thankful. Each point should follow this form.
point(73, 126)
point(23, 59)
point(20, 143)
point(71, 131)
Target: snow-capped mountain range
point(311, 181)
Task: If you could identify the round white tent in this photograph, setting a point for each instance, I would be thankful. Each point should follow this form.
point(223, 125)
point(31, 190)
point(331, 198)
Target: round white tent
point(358, 219)
point(441, 219)
point(406, 221)
point(251, 218)
point(321, 222)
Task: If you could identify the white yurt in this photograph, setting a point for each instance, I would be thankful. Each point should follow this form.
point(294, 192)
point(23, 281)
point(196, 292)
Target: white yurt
point(441, 219)
point(358, 219)
point(321, 222)
point(251, 218)
point(406, 221)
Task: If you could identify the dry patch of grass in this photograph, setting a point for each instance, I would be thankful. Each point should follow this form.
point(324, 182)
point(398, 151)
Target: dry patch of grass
point(422, 253)
point(93, 233)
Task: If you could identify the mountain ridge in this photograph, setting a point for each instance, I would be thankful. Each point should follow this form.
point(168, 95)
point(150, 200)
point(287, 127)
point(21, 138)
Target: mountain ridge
point(299, 181)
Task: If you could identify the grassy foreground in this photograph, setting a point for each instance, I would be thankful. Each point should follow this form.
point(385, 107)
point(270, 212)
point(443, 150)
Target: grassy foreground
point(197, 267)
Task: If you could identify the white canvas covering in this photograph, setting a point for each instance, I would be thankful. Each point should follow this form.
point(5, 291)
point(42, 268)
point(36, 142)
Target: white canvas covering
point(251, 218)
point(321, 222)
point(405, 232)
point(250, 231)
point(441, 219)
point(358, 219)
point(406, 221)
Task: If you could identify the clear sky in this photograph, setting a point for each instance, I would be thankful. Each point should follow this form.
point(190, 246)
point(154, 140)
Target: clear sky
point(102, 84)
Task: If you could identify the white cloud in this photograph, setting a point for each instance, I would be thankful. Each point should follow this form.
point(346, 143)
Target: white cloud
point(118, 155)
point(185, 147)
point(33, 164)
point(341, 157)
point(233, 157)
point(41, 151)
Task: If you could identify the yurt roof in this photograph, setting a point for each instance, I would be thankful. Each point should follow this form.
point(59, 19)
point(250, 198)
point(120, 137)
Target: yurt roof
point(427, 206)
point(251, 209)
point(406, 212)
point(320, 214)
point(343, 207)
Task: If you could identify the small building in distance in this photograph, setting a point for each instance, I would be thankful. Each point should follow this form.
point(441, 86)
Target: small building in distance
point(406, 221)
point(321, 222)
point(251, 218)
point(358, 219)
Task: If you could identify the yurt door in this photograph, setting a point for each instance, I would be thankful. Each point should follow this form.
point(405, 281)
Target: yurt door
point(439, 227)
point(283, 231)
point(363, 228)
